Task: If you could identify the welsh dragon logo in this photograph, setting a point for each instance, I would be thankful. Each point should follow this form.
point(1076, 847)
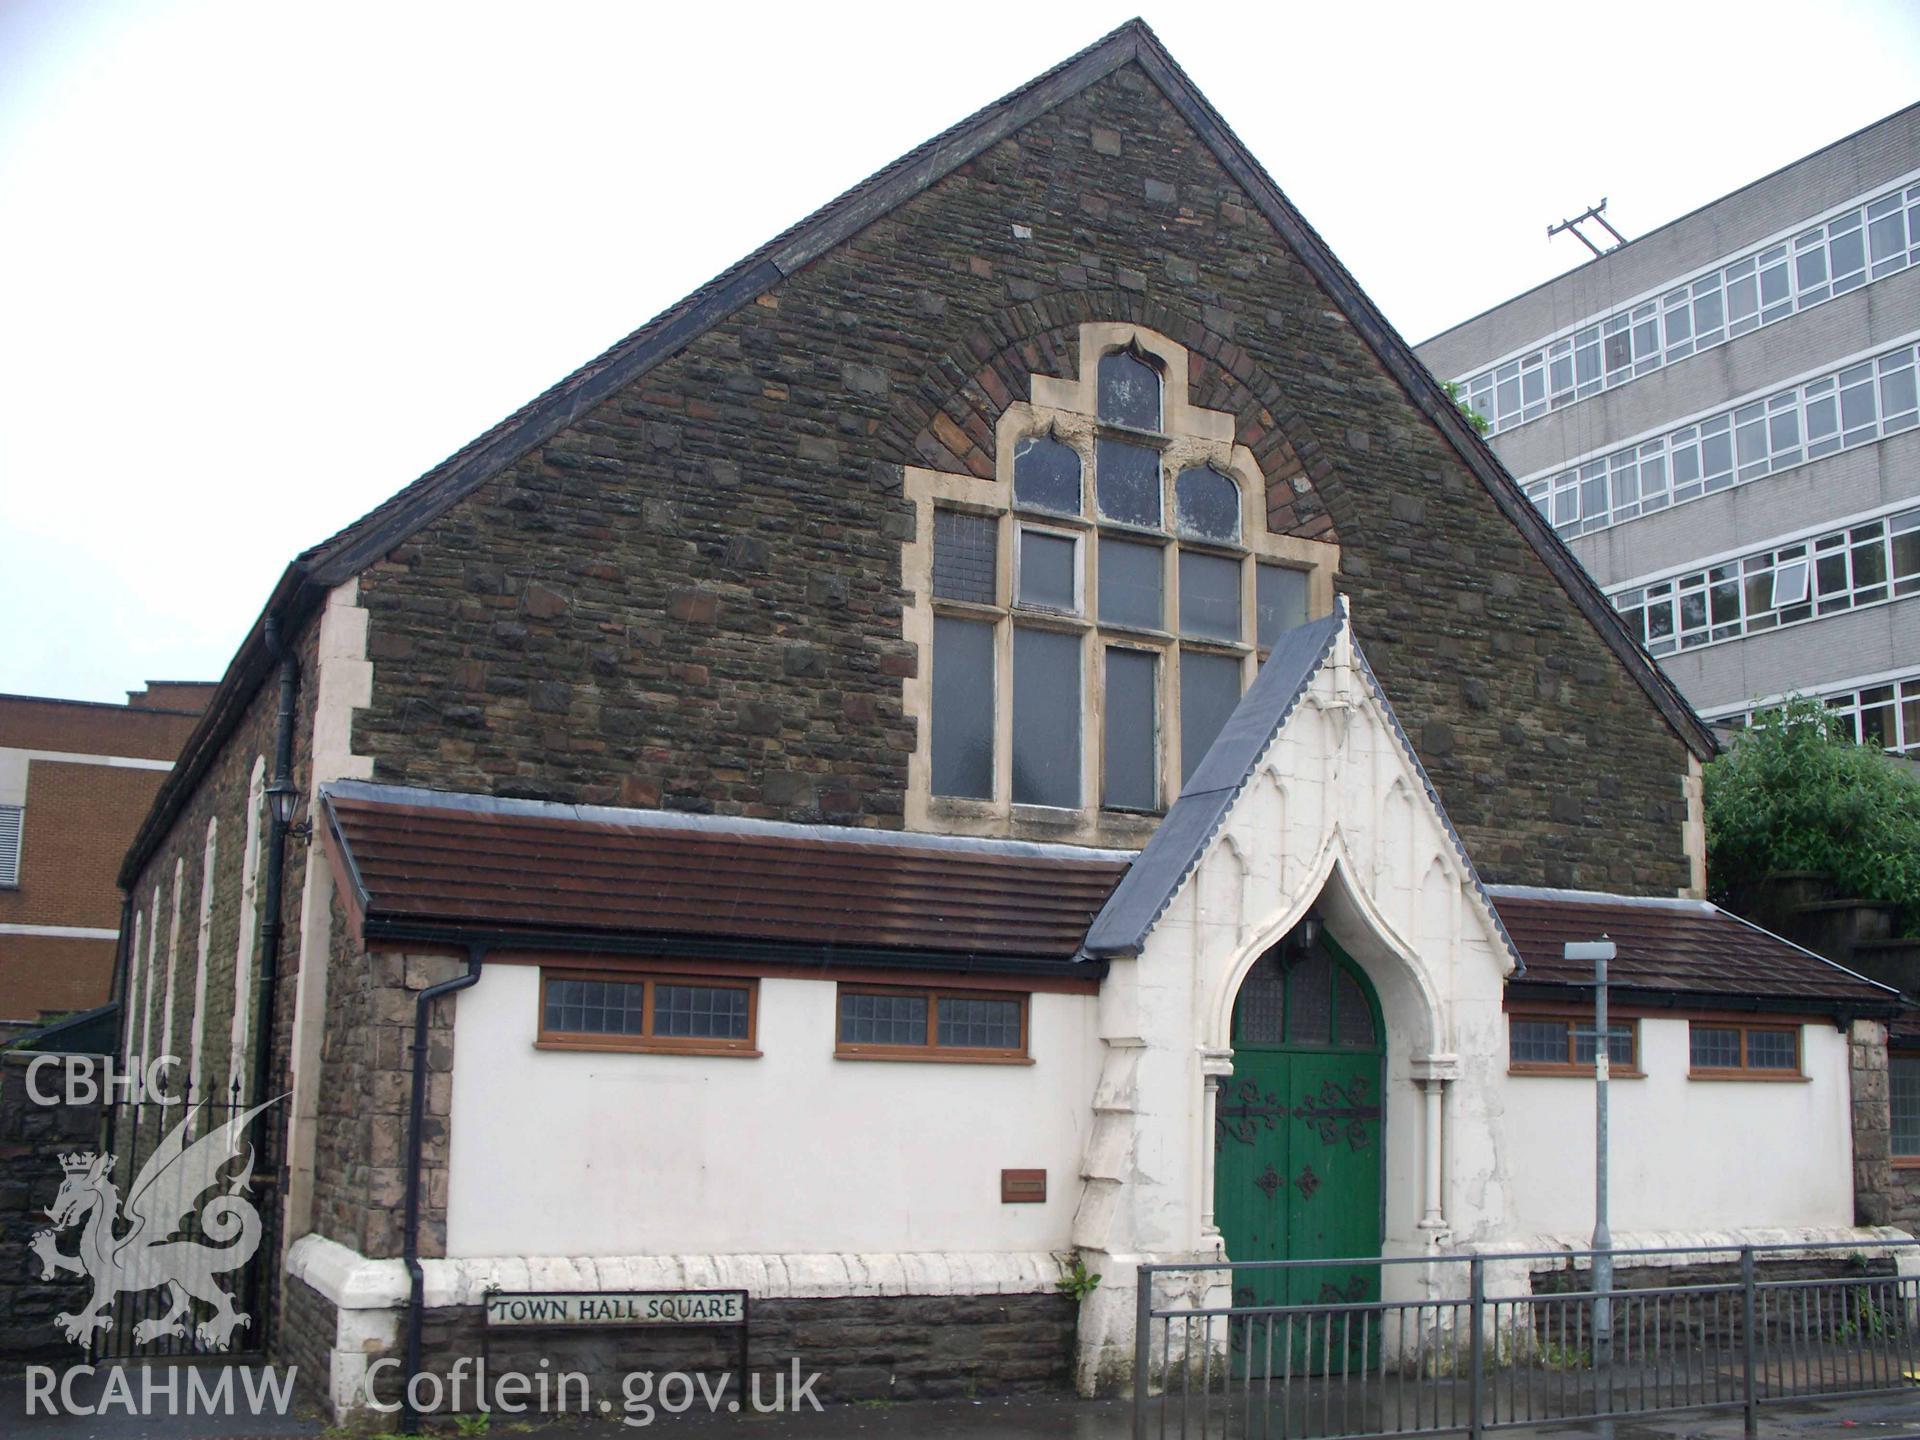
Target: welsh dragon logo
point(149, 1253)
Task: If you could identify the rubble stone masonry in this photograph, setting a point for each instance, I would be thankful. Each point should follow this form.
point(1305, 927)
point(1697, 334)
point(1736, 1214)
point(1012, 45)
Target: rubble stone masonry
point(690, 598)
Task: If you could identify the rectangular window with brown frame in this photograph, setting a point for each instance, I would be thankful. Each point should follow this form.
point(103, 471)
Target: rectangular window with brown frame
point(1546, 1044)
point(962, 1026)
point(1903, 1075)
point(1727, 1050)
point(663, 1014)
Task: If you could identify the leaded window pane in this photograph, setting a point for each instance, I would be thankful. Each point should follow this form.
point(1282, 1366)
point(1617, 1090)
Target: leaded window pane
point(1352, 1016)
point(1129, 391)
point(1206, 504)
point(1715, 1047)
point(1127, 479)
point(1904, 1072)
point(1046, 475)
point(1049, 571)
point(1310, 1000)
point(1046, 718)
point(716, 1012)
point(965, 556)
point(596, 1007)
point(979, 1024)
point(1209, 596)
point(1262, 1002)
point(1619, 1044)
point(1537, 1042)
point(1280, 602)
point(963, 697)
point(882, 1019)
point(1132, 738)
point(1209, 689)
point(1773, 1050)
point(1130, 584)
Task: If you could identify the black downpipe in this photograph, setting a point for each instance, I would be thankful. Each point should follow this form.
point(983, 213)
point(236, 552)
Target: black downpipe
point(276, 860)
point(122, 964)
point(283, 782)
point(416, 1124)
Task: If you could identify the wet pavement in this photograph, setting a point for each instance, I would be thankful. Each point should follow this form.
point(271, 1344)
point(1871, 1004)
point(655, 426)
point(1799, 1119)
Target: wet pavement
point(1882, 1417)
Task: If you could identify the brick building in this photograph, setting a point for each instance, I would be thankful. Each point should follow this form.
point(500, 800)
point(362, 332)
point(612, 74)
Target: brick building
point(75, 780)
point(846, 792)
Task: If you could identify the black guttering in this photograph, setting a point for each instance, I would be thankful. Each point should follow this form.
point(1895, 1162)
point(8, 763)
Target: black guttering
point(1844, 1010)
point(416, 1125)
point(294, 599)
point(344, 555)
point(817, 955)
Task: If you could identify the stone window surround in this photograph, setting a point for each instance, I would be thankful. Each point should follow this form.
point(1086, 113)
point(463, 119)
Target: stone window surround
point(1068, 407)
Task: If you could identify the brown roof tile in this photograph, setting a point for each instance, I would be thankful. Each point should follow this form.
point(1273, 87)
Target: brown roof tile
point(1682, 946)
point(476, 863)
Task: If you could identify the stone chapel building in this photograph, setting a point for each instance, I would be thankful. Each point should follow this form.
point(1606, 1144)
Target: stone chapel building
point(919, 761)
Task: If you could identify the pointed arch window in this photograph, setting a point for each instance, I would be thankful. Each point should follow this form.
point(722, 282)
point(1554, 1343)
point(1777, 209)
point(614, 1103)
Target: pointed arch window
point(1046, 475)
point(1129, 389)
point(1098, 607)
point(1206, 504)
point(1306, 996)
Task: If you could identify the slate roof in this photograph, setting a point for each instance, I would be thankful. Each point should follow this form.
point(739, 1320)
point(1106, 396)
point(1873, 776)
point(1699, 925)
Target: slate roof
point(422, 861)
point(1183, 837)
point(1671, 947)
point(307, 579)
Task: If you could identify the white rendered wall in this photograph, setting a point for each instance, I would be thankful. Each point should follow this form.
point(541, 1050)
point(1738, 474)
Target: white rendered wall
point(1686, 1155)
point(563, 1153)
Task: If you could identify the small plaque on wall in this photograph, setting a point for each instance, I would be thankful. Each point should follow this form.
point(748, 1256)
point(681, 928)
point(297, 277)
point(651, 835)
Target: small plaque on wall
point(1023, 1187)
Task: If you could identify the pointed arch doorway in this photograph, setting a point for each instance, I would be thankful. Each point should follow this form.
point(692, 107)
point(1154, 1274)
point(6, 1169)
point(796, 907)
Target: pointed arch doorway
point(1299, 1143)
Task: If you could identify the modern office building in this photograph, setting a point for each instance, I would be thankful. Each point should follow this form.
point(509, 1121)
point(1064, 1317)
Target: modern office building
point(1720, 419)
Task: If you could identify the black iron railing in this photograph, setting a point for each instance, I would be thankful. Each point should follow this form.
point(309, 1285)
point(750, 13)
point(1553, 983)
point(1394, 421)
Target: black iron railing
point(1481, 1342)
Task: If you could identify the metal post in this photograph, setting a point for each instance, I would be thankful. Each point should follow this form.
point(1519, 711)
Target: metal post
point(1476, 1346)
point(1142, 1328)
point(1600, 952)
point(1749, 1346)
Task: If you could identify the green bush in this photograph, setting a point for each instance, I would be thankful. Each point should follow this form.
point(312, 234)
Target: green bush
point(1795, 793)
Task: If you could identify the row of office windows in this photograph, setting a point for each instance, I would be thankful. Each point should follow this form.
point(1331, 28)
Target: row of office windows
point(1886, 715)
point(1097, 618)
point(1854, 406)
point(703, 1015)
point(1864, 564)
point(1559, 1045)
point(1869, 241)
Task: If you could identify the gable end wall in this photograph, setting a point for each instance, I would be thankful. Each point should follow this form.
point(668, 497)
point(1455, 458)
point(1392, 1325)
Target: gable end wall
point(691, 599)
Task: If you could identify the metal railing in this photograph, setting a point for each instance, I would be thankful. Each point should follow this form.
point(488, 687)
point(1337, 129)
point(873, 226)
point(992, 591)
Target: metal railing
point(1474, 1343)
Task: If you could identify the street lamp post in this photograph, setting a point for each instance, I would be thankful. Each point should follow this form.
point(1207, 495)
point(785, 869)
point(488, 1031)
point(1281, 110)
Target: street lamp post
point(1599, 952)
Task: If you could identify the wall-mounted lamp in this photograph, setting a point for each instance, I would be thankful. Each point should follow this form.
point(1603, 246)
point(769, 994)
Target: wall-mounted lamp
point(1306, 934)
point(283, 801)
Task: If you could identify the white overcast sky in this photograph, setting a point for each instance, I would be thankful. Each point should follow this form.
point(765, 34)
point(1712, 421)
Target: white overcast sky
point(264, 263)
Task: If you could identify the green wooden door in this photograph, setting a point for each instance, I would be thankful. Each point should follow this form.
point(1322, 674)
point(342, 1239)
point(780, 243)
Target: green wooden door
point(1298, 1154)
